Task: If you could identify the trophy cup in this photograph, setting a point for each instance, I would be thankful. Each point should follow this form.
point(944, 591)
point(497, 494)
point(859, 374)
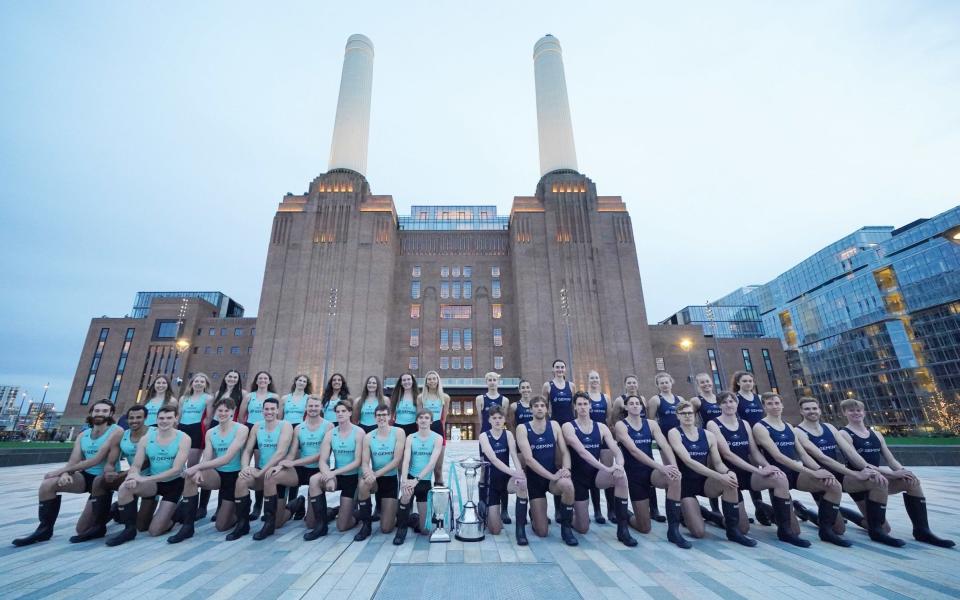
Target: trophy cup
point(440, 499)
point(470, 527)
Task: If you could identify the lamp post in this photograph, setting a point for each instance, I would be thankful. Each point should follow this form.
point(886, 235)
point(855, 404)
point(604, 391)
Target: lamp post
point(565, 313)
point(686, 344)
point(331, 313)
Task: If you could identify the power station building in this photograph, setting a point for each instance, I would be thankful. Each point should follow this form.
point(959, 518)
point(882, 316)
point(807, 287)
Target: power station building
point(351, 286)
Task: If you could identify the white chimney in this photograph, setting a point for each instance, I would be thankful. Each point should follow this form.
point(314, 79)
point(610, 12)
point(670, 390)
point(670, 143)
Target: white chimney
point(351, 130)
point(553, 109)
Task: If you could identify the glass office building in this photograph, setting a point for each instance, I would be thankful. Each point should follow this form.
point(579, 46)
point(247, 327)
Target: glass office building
point(228, 307)
point(727, 321)
point(874, 316)
point(453, 218)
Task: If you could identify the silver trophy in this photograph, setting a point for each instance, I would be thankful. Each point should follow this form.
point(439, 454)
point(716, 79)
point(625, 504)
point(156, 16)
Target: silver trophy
point(470, 526)
point(440, 499)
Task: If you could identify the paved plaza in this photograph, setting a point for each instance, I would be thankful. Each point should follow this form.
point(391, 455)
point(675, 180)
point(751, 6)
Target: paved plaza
point(287, 567)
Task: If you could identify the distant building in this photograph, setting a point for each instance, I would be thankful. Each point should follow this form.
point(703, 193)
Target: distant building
point(721, 321)
point(226, 307)
point(9, 406)
point(875, 316)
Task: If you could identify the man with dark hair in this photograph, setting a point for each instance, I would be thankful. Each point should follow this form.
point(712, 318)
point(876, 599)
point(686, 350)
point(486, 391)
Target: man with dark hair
point(89, 456)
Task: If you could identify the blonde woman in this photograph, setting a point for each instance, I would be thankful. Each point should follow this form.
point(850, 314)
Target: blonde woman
point(433, 398)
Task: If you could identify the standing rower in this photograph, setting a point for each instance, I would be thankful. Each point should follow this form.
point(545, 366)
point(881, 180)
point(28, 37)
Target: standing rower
point(559, 392)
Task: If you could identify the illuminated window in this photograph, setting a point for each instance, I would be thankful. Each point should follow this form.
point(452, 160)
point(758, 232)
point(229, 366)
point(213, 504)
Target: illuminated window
point(659, 362)
point(416, 271)
point(468, 271)
point(444, 271)
point(455, 407)
point(455, 311)
point(455, 271)
point(444, 290)
point(455, 362)
point(497, 336)
point(468, 339)
point(444, 339)
point(444, 363)
point(495, 271)
point(467, 362)
point(495, 288)
point(497, 362)
point(414, 311)
point(415, 289)
point(456, 339)
point(747, 362)
point(213, 331)
point(468, 407)
point(414, 337)
point(714, 368)
point(768, 364)
point(414, 363)
point(496, 310)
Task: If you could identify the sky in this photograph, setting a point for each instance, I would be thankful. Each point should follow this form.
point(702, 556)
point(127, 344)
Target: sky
point(146, 146)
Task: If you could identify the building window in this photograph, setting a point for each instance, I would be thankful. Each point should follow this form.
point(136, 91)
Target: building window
point(495, 288)
point(94, 365)
point(444, 339)
point(219, 349)
point(414, 363)
point(207, 349)
point(414, 337)
point(468, 339)
point(468, 406)
point(122, 364)
point(494, 271)
point(414, 311)
point(166, 329)
point(497, 362)
point(253, 331)
point(223, 331)
point(456, 339)
point(468, 289)
point(747, 362)
point(455, 407)
point(455, 272)
point(444, 363)
point(444, 289)
point(659, 363)
point(467, 362)
point(199, 331)
point(215, 375)
point(455, 311)
point(238, 331)
point(455, 289)
point(235, 350)
point(249, 349)
point(496, 310)
point(213, 331)
point(455, 363)
point(768, 363)
point(415, 290)
point(416, 271)
point(196, 349)
point(444, 271)
point(497, 336)
point(714, 369)
point(468, 271)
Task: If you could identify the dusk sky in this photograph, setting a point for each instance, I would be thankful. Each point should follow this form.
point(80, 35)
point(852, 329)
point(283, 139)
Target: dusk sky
point(146, 146)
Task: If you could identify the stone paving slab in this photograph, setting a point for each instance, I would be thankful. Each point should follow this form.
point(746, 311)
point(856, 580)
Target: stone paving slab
point(287, 568)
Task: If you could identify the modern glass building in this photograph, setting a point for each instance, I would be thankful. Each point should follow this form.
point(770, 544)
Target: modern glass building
point(453, 218)
point(228, 308)
point(875, 316)
point(721, 321)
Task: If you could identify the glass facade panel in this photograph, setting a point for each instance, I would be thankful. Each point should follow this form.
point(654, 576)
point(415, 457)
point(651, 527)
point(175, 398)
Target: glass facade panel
point(714, 369)
point(414, 337)
point(497, 362)
point(768, 365)
point(415, 290)
point(95, 363)
point(468, 339)
point(454, 311)
point(444, 339)
point(747, 362)
point(453, 218)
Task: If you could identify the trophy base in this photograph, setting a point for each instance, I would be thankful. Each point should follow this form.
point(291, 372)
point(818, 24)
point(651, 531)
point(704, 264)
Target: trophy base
point(439, 536)
point(470, 539)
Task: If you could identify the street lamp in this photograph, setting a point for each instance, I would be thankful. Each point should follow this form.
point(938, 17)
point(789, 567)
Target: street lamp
point(565, 313)
point(331, 313)
point(686, 344)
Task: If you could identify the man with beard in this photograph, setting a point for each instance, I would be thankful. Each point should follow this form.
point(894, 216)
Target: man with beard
point(87, 461)
point(111, 480)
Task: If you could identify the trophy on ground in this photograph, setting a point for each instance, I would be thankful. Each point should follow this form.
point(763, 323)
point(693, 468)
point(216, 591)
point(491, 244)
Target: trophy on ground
point(440, 500)
point(470, 526)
